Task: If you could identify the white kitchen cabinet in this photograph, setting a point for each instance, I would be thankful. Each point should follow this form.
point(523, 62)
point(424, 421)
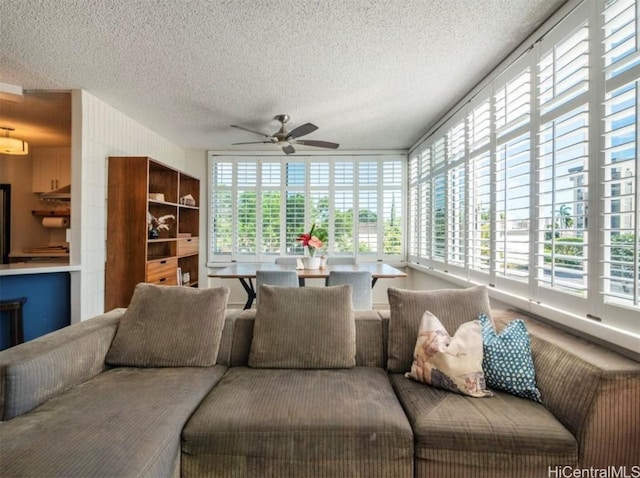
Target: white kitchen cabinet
point(51, 169)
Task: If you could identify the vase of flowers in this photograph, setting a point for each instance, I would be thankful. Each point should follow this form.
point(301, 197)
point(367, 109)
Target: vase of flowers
point(311, 242)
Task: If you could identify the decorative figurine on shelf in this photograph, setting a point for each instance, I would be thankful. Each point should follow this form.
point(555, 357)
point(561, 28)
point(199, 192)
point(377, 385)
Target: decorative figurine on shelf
point(188, 200)
point(157, 224)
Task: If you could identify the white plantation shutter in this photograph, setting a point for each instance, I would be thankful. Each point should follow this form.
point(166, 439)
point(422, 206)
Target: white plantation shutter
point(260, 205)
point(456, 193)
point(621, 52)
point(319, 194)
point(438, 191)
point(393, 218)
point(620, 161)
point(341, 232)
point(512, 103)
point(551, 198)
point(512, 223)
point(480, 212)
point(296, 221)
point(367, 235)
point(479, 203)
point(479, 121)
point(439, 217)
point(563, 73)
point(563, 175)
point(271, 212)
point(620, 197)
point(513, 173)
point(426, 204)
point(247, 207)
point(368, 214)
point(413, 204)
point(343, 223)
point(271, 201)
point(456, 221)
point(247, 219)
point(222, 209)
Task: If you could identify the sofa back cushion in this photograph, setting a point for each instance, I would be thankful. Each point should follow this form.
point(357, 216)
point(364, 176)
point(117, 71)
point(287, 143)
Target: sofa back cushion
point(307, 328)
point(167, 326)
point(453, 307)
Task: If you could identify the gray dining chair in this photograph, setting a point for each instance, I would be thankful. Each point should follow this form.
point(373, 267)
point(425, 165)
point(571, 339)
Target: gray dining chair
point(290, 261)
point(360, 282)
point(281, 278)
point(332, 261)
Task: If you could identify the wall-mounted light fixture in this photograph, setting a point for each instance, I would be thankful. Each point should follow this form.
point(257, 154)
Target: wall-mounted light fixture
point(12, 145)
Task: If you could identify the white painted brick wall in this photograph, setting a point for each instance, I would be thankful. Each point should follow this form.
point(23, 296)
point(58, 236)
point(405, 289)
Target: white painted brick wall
point(106, 132)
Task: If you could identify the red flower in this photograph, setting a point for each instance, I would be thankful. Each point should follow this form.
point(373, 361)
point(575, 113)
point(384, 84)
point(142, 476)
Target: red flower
point(304, 238)
point(309, 240)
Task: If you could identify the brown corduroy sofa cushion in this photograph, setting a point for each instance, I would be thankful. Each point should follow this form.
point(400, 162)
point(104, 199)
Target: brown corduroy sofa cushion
point(306, 327)
point(299, 423)
point(48, 366)
point(452, 306)
point(168, 326)
point(501, 436)
point(126, 422)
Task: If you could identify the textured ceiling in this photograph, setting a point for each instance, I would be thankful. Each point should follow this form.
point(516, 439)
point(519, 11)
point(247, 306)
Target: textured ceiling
point(371, 74)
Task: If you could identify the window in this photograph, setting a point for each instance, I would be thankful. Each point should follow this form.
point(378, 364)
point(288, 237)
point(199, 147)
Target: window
point(547, 173)
point(260, 205)
point(512, 156)
point(563, 165)
point(479, 207)
point(621, 248)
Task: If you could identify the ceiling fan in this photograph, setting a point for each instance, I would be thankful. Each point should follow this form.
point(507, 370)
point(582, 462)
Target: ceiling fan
point(286, 139)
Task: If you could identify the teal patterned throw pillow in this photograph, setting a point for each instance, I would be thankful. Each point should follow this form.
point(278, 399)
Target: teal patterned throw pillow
point(507, 360)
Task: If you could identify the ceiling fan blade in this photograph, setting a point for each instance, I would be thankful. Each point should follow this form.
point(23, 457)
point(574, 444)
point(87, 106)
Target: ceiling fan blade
point(253, 142)
point(302, 130)
point(288, 149)
point(318, 144)
point(251, 131)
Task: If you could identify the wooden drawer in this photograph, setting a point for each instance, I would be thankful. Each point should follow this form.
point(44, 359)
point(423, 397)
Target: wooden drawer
point(188, 246)
point(163, 271)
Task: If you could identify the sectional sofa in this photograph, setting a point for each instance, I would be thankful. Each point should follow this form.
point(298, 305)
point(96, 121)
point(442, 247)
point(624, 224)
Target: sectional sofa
point(177, 385)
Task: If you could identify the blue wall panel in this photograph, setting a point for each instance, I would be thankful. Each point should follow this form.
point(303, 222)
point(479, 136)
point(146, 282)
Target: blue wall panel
point(48, 305)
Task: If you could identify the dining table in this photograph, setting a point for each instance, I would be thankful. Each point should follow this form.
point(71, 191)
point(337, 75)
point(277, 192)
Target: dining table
point(245, 272)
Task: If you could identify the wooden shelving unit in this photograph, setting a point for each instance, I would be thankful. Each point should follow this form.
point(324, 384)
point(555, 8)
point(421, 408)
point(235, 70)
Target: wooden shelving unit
point(139, 186)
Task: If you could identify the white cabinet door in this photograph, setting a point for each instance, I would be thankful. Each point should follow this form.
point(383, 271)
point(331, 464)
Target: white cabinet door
point(51, 169)
point(64, 168)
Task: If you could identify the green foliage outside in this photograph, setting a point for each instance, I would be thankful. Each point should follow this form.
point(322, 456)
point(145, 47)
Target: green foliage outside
point(295, 224)
point(623, 257)
point(565, 246)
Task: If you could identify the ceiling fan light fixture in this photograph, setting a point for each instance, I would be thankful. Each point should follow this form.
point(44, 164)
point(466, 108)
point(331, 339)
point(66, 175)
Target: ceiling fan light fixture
point(13, 146)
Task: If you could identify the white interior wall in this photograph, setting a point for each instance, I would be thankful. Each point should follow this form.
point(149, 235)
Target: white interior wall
point(104, 132)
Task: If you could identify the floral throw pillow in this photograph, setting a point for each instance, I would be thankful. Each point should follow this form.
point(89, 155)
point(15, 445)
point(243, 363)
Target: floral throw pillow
point(508, 364)
point(453, 363)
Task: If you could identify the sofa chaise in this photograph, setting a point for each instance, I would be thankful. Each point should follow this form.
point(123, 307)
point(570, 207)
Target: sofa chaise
point(176, 385)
